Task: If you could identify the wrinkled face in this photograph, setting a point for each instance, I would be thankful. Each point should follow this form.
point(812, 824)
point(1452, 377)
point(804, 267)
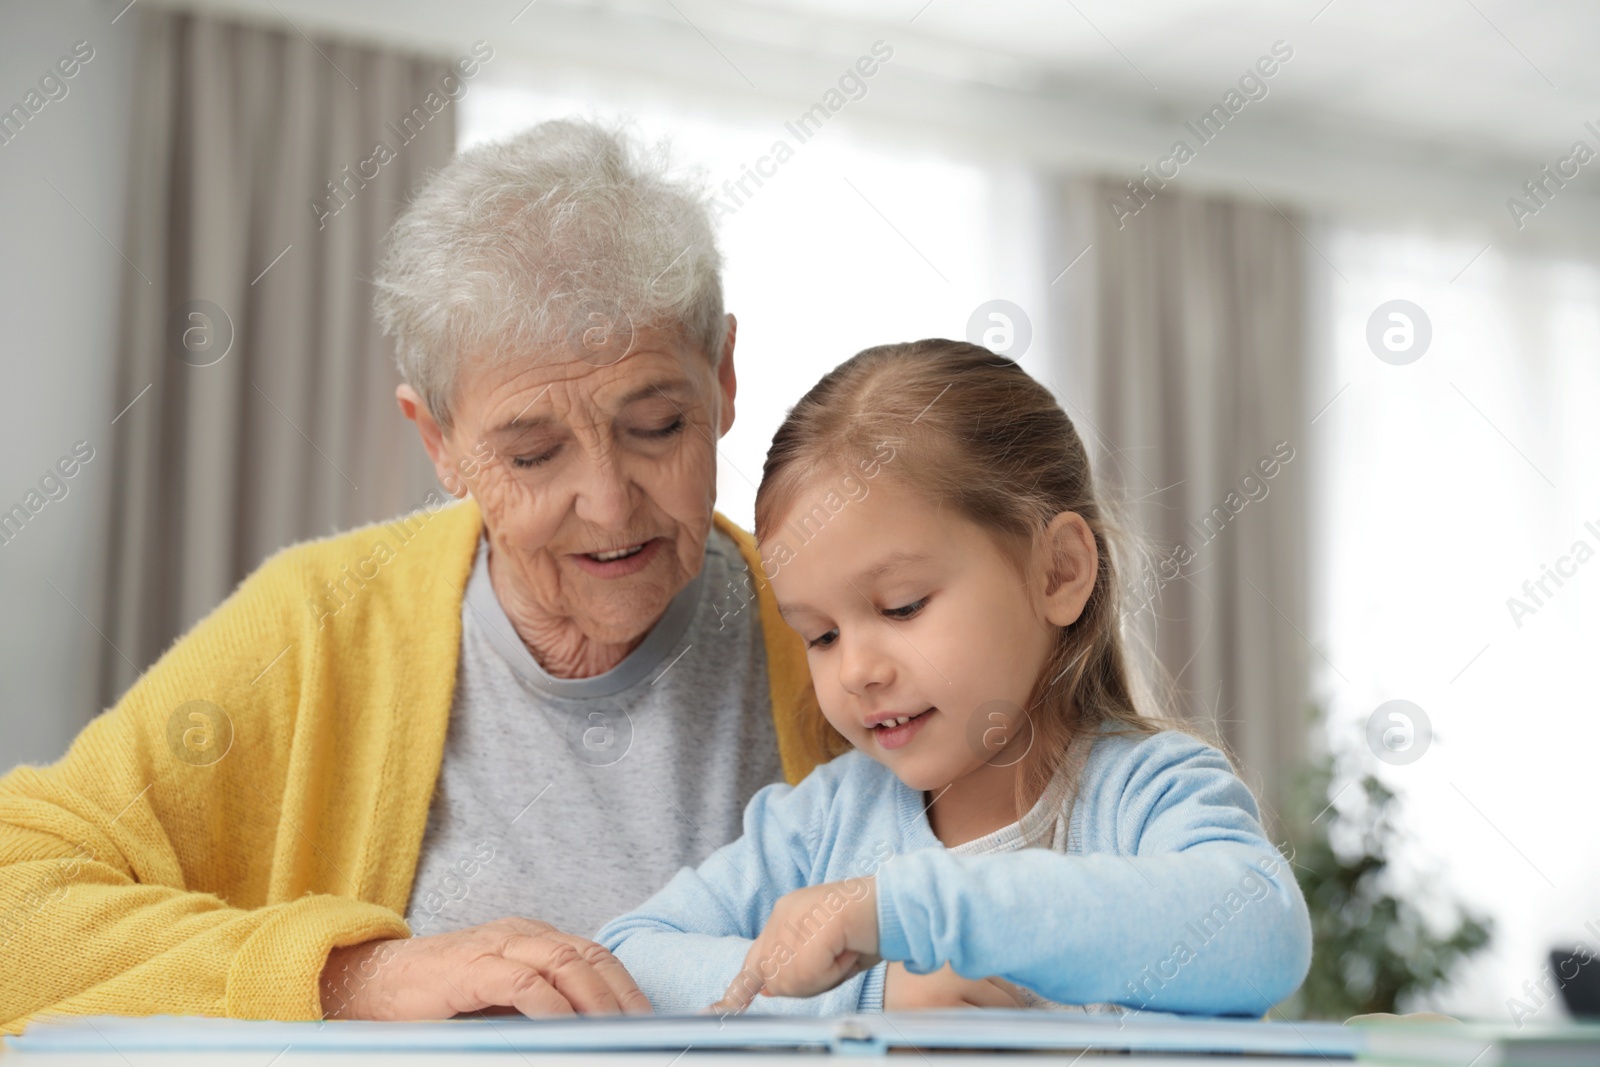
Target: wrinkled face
point(911, 613)
point(596, 477)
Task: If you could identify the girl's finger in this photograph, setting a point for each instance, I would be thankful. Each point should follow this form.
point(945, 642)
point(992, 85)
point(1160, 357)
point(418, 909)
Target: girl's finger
point(985, 994)
point(745, 985)
point(740, 992)
point(796, 979)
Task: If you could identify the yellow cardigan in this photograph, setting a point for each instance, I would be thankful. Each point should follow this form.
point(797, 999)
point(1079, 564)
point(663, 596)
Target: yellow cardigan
point(185, 860)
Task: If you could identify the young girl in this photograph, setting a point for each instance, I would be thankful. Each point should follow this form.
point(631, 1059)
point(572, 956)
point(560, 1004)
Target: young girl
point(1008, 830)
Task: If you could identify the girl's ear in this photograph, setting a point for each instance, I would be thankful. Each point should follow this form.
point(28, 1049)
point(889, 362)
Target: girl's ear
point(1069, 562)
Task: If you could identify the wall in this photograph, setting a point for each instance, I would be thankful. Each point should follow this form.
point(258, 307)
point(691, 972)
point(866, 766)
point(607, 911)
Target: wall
point(61, 179)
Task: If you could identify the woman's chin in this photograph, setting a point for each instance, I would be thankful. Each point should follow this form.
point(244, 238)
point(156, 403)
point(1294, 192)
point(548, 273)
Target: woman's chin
point(627, 617)
point(619, 608)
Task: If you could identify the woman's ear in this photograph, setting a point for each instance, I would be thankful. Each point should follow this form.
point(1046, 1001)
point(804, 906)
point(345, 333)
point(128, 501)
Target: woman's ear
point(1069, 562)
point(727, 381)
point(433, 438)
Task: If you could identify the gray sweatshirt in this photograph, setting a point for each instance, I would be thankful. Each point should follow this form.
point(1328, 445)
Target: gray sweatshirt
point(572, 800)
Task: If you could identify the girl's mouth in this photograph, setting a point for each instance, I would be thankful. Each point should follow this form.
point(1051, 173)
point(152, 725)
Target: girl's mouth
point(896, 733)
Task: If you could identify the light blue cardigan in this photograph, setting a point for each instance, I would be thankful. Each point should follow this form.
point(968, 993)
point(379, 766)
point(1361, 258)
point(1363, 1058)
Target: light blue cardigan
point(1167, 895)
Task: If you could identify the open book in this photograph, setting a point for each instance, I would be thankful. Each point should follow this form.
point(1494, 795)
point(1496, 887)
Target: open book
point(970, 1031)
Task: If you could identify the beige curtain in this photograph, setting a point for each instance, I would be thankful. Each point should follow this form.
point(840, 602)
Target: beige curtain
point(1185, 375)
point(259, 391)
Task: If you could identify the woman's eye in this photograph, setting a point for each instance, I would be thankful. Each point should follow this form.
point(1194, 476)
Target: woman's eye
point(525, 462)
point(668, 430)
point(824, 641)
point(906, 612)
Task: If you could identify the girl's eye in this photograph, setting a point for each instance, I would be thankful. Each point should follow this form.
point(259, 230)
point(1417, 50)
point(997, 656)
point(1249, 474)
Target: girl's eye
point(673, 427)
point(824, 641)
point(907, 612)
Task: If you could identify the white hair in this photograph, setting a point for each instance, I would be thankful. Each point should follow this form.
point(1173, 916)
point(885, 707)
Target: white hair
point(539, 241)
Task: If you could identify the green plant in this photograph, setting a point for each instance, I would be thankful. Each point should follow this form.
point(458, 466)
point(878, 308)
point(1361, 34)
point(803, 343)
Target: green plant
point(1372, 950)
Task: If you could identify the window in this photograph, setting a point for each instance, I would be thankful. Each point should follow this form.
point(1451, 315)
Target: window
point(1453, 493)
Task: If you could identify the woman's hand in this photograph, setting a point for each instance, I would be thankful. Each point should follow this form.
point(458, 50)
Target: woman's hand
point(944, 988)
point(517, 964)
point(815, 938)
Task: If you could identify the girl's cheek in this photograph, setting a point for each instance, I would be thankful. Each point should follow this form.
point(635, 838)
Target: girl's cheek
point(830, 704)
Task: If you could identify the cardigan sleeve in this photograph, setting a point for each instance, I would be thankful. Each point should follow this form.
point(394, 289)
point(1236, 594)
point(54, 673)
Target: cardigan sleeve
point(1191, 911)
point(143, 873)
point(686, 944)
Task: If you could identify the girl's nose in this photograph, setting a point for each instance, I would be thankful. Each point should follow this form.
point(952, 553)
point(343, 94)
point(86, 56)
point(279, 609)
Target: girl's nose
point(864, 665)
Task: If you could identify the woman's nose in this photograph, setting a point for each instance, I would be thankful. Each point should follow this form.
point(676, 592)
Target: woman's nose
point(605, 497)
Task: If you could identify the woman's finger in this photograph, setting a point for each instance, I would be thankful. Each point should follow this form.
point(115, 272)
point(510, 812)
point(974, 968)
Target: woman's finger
point(566, 967)
point(613, 973)
point(496, 980)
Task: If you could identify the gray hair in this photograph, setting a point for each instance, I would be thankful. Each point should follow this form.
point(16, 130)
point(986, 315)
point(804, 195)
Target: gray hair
point(562, 234)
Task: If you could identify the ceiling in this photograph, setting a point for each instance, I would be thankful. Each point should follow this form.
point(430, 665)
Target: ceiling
point(1455, 100)
point(1505, 73)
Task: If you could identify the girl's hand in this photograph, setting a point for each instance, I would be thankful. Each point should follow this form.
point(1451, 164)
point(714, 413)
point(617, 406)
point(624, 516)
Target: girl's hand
point(815, 938)
point(944, 988)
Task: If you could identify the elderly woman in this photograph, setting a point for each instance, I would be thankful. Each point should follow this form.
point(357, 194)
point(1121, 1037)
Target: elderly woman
point(339, 793)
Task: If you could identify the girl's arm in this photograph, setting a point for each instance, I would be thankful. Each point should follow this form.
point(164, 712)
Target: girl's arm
point(685, 945)
point(1198, 914)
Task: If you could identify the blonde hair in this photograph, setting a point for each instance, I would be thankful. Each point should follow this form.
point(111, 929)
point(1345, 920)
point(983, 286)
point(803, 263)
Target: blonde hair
point(972, 430)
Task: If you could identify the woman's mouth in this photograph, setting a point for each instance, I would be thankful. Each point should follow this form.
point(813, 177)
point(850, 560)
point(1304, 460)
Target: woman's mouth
point(618, 562)
point(621, 553)
point(898, 732)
